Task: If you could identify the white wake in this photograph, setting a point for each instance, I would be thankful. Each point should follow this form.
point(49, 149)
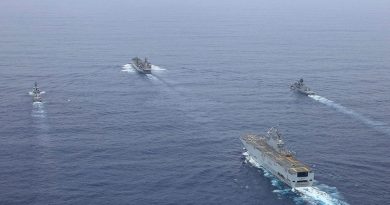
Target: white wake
point(129, 68)
point(38, 110)
point(314, 195)
point(157, 68)
point(151, 77)
point(317, 194)
point(31, 93)
point(345, 110)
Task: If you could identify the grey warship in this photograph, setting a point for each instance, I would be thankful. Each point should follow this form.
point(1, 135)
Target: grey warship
point(302, 88)
point(36, 93)
point(269, 151)
point(142, 66)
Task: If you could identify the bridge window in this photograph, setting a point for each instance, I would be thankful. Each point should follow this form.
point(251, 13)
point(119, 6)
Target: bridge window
point(302, 174)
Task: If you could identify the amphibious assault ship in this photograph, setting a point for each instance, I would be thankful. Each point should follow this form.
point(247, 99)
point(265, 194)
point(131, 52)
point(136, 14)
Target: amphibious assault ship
point(302, 88)
point(269, 151)
point(142, 66)
point(36, 93)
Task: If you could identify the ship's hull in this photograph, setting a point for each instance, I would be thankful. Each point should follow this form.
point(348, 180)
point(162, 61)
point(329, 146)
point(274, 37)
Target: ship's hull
point(265, 161)
point(140, 69)
point(302, 89)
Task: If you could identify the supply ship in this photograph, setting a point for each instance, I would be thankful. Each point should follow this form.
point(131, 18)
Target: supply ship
point(142, 66)
point(269, 151)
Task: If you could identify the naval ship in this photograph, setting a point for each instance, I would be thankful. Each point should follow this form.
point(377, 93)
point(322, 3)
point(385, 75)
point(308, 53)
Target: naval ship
point(269, 151)
point(302, 88)
point(142, 66)
point(36, 93)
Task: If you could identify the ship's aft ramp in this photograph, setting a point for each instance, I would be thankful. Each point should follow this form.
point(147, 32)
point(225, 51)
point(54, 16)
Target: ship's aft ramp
point(287, 161)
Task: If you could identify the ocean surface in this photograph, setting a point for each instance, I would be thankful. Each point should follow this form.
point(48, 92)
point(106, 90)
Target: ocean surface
point(106, 134)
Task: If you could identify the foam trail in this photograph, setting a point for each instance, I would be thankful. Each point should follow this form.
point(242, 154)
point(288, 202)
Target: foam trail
point(316, 195)
point(151, 77)
point(346, 110)
point(38, 110)
point(157, 68)
point(31, 93)
point(128, 68)
point(39, 119)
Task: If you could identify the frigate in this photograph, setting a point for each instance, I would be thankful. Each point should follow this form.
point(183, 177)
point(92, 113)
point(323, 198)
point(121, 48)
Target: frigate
point(302, 88)
point(142, 66)
point(36, 93)
point(270, 153)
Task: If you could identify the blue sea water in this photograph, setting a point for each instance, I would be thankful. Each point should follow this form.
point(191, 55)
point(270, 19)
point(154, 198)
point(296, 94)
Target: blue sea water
point(108, 135)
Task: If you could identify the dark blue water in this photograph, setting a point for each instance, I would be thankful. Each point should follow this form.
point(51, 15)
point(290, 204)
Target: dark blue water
point(108, 135)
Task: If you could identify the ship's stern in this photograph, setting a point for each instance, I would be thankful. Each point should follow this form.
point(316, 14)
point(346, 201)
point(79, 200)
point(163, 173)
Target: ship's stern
point(301, 178)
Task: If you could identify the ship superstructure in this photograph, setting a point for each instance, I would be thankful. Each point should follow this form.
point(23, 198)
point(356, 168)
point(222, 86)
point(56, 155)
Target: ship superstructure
point(142, 66)
point(302, 88)
point(270, 152)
